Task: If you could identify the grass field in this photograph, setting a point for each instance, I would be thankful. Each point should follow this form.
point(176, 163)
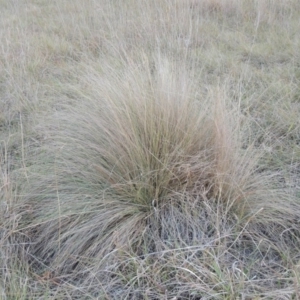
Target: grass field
point(150, 149)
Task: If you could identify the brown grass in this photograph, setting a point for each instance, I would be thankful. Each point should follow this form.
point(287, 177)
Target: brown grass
point(149, 150)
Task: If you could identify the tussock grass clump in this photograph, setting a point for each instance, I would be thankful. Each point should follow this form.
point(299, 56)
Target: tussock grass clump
point(139, 173)
point(125, 175)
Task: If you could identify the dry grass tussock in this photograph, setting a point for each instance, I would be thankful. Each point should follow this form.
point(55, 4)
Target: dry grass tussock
point(141, 155)
point(140, 177)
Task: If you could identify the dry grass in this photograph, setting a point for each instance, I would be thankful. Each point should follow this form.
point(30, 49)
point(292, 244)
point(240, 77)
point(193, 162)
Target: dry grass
point(149, 150)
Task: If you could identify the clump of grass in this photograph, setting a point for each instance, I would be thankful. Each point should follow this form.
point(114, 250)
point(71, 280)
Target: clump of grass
point(101, 210)
point(139, 169)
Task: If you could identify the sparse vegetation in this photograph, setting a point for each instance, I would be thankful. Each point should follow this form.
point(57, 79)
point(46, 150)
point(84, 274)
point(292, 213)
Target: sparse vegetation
point(149, 149)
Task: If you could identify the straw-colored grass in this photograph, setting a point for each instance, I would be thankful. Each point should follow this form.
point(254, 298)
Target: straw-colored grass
point(149, 150)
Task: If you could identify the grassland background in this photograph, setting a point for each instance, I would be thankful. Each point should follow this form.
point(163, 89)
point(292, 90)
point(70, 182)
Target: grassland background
point(53, 53)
